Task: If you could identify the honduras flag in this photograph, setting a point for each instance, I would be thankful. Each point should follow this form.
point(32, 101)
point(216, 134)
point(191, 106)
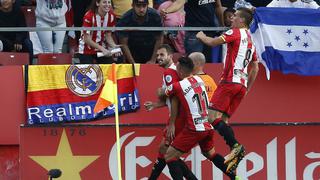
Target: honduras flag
point(288, 39)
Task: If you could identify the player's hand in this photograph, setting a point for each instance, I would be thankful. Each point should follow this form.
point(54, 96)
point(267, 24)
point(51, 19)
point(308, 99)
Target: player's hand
point(246, 92)
point(200, 35)
point(170, 132)
point(149, 105)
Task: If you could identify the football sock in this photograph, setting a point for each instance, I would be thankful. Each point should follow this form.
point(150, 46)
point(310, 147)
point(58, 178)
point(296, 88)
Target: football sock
point(187, 173)
point(226, 132)
point(218, 161)
point(175, 170)
point(158, 166)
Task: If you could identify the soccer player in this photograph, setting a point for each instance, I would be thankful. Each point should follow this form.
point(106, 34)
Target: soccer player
point(191, 93)
point(164, 59)
point(235, 82)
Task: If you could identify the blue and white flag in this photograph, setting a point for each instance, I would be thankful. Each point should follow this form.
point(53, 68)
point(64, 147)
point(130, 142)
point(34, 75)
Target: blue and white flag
point(288, 40)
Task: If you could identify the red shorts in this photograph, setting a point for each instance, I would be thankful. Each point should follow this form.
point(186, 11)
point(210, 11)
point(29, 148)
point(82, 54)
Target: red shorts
point(187, 139)
point(227, 97)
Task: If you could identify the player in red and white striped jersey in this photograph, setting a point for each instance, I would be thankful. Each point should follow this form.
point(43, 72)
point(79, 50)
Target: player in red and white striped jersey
point(91, 42)
point(193, 98)
point(235, 81)
point(170, 76)
point(192, 95)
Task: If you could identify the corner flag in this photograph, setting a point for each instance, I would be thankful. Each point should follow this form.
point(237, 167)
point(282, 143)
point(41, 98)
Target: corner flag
point(108, 94)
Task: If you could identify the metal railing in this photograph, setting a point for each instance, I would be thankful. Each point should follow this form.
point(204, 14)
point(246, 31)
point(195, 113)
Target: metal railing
point(33, 29)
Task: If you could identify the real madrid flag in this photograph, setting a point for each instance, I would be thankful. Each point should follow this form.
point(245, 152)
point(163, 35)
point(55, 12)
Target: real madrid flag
point(68, 93)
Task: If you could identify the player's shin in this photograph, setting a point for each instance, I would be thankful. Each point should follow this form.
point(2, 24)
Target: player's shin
point(225, 131)
point(175, 169)
point(187, 173)
point(158, 166)
point(218, 161)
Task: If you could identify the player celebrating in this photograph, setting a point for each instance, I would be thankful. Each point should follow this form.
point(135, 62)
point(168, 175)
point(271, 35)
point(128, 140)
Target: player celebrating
point(191, 92)
point(164, 59)
point(235, 81)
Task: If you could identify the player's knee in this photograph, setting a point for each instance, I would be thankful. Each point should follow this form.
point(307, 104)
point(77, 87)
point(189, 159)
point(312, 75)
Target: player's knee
point(171, 154)
point(213, 115)
point(169, 157)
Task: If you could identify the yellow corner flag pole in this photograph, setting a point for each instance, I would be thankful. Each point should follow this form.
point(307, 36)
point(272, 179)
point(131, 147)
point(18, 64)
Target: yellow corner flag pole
point(116, 112)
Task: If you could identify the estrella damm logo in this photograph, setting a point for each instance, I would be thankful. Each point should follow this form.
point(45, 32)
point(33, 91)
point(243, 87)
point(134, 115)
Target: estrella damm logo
point(84, 80)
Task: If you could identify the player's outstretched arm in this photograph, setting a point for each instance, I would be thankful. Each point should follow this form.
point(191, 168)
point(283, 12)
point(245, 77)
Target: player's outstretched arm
point(209, 40)
point(149, 105)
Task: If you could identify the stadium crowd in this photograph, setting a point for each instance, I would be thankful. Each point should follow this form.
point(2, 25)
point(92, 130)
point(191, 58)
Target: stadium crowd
point(136, 46)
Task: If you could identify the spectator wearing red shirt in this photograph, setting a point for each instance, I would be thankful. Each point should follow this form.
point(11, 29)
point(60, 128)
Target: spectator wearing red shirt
point(92, 42)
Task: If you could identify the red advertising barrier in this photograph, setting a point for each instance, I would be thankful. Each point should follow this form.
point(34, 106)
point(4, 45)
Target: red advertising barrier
point(273, 152)
point(12, 104)
point(9, 162)
point(285, 98)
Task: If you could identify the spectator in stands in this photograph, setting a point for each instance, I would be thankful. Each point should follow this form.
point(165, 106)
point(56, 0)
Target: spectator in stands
point(294, 4)
point(51, 14)
point(11, 16)
point(140, 46)
point(199, 13)
point(79, 8)
point(175, 19)
point(227, 16)
point(92, 42)
point(122, 6)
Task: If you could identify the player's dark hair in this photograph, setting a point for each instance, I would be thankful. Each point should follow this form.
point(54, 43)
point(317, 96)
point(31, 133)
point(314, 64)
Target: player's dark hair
point(246, 14)
point(186, 64)
point(167, 47)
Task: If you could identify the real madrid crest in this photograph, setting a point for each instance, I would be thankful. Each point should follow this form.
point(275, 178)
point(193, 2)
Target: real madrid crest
point(84, 80)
